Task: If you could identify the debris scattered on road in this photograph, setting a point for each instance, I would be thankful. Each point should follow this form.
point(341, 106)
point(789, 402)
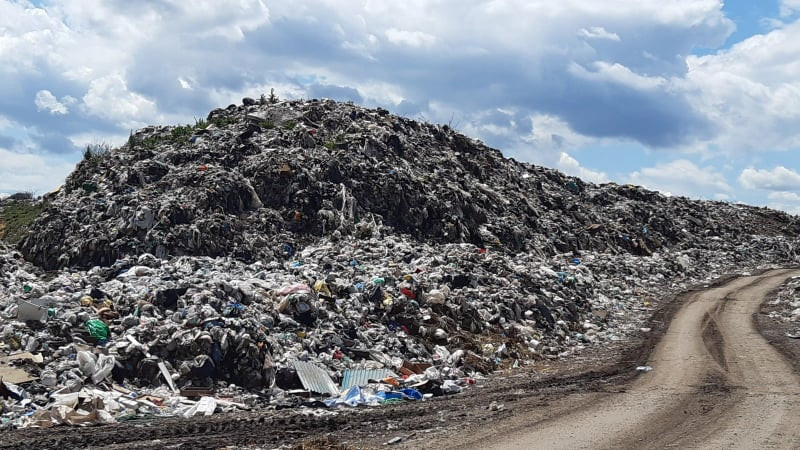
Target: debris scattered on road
point(494, 406)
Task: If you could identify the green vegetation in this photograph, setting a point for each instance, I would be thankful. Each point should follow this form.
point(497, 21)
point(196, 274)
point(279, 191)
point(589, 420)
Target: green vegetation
point(266, 124)
point(181, 134)
point(337, 140)
point(289, 125)
point(178, 135)
point(223, 121)
point(16, 217)
point(272, 97)
point(95, 152)
point(148, 143)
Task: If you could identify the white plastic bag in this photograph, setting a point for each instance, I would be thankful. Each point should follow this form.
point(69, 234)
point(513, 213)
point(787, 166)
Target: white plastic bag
point(103, 368)
point(87, 363)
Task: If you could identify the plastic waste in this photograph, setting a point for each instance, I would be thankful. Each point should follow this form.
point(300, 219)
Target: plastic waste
point(103, 368)
point(451, 387)
point(97, 329)
point(438, 281)
point(86, 363)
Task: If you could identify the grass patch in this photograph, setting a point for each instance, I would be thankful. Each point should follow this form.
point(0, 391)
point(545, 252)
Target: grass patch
point(16, 219)
point(148, 143)
point(200, 124)
point(181, 134)
point(337, 140)
point(223, 121)
point(93, 153)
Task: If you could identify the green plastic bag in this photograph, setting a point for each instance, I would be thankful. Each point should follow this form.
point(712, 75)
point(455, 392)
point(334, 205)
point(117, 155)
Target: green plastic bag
point(97, 329)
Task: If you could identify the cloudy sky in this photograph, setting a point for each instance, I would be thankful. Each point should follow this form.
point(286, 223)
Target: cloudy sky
point(690, 97)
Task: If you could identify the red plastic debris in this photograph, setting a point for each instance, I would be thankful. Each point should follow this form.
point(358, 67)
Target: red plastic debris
point(408, 293)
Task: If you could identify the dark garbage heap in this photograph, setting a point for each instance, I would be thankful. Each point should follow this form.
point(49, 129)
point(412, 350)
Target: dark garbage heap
point(250, 178)
point(315, 253)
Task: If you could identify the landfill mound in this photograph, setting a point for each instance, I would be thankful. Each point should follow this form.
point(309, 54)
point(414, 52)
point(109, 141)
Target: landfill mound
point(253, 180)
point(279, 251)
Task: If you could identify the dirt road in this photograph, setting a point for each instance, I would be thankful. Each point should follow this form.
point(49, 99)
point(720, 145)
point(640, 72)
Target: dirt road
point(715, 383)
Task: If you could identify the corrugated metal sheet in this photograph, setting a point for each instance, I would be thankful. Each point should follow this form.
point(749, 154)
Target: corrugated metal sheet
point(315, 378)
point(360, 377)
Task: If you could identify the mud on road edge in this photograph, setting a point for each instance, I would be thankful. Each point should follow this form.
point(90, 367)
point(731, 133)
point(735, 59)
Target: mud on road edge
point(439, 422)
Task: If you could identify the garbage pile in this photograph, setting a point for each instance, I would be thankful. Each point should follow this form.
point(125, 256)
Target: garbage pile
point(253, 178)
point(785, 306)
point(312, 253)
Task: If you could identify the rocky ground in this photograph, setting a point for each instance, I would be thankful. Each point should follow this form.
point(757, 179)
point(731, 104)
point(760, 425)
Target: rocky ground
point(252, 262)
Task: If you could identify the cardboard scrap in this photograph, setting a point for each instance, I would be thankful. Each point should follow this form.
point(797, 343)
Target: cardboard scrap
point(15, 375)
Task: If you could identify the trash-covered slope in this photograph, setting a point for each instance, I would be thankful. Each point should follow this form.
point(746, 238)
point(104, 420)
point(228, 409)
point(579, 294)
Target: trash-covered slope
point(785, 306)
point(276, 252)
point(252, 179)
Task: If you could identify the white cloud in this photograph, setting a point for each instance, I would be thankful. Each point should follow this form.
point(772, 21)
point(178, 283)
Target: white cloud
point(184, 83)
point(785, 196)
point(778, 179)
point(750, 92)
point(542, 139)
point(789, 7)
point(377, 91)
point(560, 90)
point(410, 38)
point(682, 177)
point(225, 96)
point(598, 33)
point(28, 36)
point(228, 19)
point(81, 140)
point(617, 73)
point(109, 97)
point(551, 133)
point(45, 100)
point(786, 201)
point(571, 166)
point(31, 172)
